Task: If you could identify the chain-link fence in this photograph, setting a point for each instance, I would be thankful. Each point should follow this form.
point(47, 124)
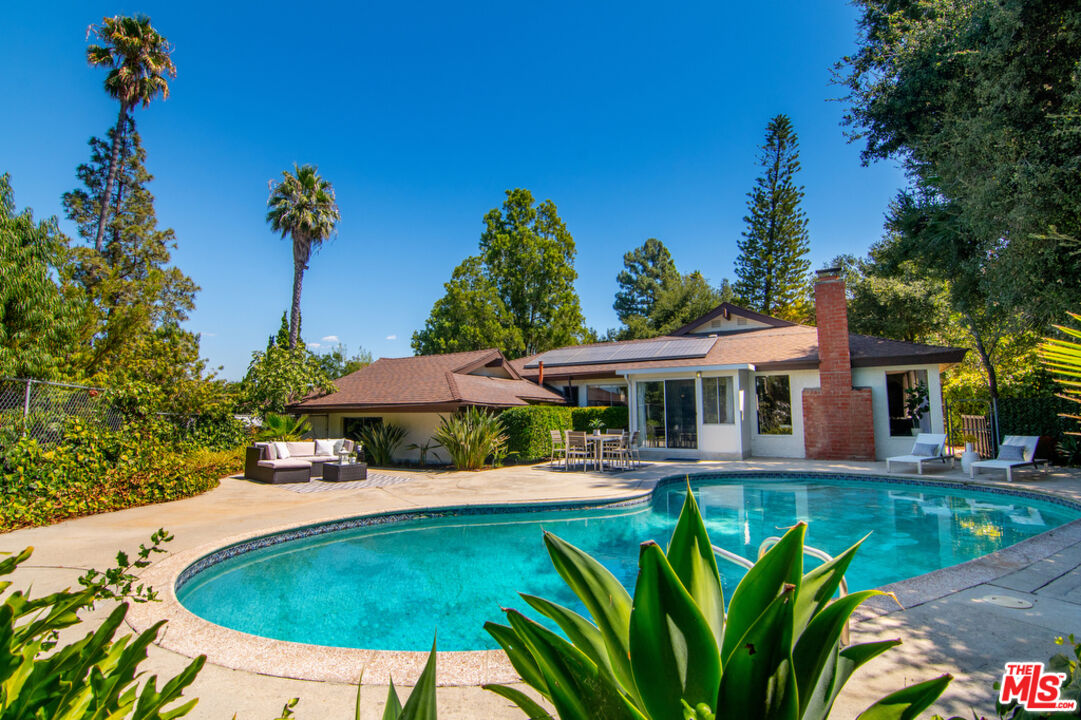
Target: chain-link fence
point(40, 409)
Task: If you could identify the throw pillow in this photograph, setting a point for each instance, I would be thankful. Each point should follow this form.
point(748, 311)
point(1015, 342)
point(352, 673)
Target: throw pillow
point(270, 451)
point(282, 450)
point(1011, 452)
point(324, 447)
point(925, 449)
point(338, 445)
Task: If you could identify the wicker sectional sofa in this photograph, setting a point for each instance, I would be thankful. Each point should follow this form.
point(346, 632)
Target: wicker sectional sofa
point(302, 460)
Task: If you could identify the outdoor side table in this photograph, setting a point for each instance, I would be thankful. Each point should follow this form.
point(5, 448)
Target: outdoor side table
point(337, 472)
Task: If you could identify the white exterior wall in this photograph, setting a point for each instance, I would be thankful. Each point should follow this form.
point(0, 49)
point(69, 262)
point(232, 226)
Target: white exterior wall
point(790, 446)
point(875, 378)
point(419, 428)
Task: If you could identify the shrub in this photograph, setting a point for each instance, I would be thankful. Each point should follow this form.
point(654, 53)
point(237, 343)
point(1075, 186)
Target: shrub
point(380, 441)
point(528, 429)
point(674, 652)
point(283, 427)
point(611, 417)
point(470, 436)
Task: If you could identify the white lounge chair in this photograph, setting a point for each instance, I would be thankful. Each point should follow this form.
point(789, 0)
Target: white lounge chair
point(927, 448)
point(1010, 457)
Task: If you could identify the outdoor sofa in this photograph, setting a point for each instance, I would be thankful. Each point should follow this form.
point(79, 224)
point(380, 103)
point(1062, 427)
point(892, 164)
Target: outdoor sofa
point(1015, 451)
point(291, 462)
point(928, 447)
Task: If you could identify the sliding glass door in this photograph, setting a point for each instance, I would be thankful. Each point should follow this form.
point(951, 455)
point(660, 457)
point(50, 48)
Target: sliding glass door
point(668, 414)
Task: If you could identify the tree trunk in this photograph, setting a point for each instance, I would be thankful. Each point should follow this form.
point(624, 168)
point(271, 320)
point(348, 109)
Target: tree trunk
point(118, 203)
point(985, 359)
point(301, 252)
point(110, 180)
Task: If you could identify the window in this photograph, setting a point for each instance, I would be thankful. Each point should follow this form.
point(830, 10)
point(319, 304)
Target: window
point(606, 395)
point(774, 405)
point(570, 392)
point(667, 414)
point(351, 426)
point(717, 401)
point(906, 398)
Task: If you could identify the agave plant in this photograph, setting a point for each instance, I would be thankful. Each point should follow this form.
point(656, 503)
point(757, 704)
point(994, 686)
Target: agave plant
point(470, 437)
point(673, 653)
point(420, 705)
point(283, 427)
point(380, 441)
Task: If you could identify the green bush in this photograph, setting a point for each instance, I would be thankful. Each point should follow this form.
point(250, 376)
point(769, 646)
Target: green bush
point(612, 417)
point(94, 470)
point(675, 652)
point(528, 429)
point(283, 427)
point(380, 441)
point(470, 437)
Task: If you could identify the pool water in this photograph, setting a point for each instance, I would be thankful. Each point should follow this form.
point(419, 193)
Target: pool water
point(392, 586)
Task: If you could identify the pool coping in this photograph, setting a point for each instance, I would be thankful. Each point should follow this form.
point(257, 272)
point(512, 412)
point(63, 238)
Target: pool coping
point(191, 635)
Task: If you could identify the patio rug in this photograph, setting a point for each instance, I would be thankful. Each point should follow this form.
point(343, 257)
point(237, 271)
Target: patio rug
point(374, 479)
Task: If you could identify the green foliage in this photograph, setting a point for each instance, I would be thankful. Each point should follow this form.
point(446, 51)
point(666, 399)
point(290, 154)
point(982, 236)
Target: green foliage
point(282, 375)
point(470, 436)
point(337, 362)
point(1063, 357)
point(118, 582)
point(420, 705)
point(381, 441)
point(771, 269)
point(682, 299)
point(916, 402)
point(428, 446)
point(517, 294)
point(96, 676)
point(646, 270)
point(583, 418)
point(528, 429)
point(1035, 416)
point(674, 652)
point(37, 325)
point(302, 205)
point(283, 427)
point(94, 469)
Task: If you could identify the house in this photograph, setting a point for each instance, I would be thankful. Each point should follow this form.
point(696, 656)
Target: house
point(414, 391)
point(736, 384)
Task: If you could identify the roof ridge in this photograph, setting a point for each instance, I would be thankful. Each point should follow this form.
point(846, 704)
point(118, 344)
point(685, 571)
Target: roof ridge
point(454, 392)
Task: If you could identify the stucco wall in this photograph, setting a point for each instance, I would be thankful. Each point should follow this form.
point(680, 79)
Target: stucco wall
point(875, 378)
point(781, 445)
point(419, 428)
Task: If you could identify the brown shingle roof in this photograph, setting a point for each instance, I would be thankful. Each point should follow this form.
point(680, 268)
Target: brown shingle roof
point(436, 382)
point(793, 346)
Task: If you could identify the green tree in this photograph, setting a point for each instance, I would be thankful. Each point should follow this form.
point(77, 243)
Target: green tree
point(517, 294)
point(337, 362)
point(38, 316)
point(682, 299)
point(282, 374)
point(136, 301)
point(771, 269)
point(302, 205)
point(138, 59)
point(979, 102)
point(646, 269)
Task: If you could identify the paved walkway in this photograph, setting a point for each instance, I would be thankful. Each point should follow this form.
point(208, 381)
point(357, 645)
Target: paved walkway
point(949, 625)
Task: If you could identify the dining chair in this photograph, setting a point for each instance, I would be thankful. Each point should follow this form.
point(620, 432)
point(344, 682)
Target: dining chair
point(559, 447)
point(632, 450)
point(577, 447)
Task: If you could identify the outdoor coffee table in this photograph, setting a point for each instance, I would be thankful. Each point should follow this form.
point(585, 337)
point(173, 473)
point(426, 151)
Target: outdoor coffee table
point(337, 472)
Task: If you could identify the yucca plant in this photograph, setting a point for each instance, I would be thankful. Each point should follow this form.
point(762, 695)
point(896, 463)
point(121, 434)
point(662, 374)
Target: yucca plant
point(380, 441)
point(470, 436)
point(673, 653)
point(283, 427)
point(1063, 357)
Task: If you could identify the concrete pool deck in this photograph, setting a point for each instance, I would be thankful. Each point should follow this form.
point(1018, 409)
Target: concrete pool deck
point(948, 625)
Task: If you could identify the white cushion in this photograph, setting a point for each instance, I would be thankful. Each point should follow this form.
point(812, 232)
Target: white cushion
point(338, 445)
point(326, 447)
point(281, 450)
point(289, 464)
point(301, 448)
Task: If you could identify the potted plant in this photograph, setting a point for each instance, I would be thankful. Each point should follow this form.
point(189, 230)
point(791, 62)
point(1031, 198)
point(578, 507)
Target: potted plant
point(916, 405)
point(596, 425)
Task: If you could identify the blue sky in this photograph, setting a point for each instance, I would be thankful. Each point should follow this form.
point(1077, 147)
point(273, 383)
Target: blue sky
point(637, 119)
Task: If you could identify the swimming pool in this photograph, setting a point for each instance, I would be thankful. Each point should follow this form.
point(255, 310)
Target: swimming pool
point(391, 586)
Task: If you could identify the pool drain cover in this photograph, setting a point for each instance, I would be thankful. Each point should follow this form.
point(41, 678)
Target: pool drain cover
point(1007, 601)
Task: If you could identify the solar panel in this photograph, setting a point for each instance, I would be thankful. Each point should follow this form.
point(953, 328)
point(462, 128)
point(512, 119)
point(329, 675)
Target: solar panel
point(626, 352)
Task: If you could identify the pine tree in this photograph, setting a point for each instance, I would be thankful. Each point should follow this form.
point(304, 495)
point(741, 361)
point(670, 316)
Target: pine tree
point(772, 267)
point(646, 269)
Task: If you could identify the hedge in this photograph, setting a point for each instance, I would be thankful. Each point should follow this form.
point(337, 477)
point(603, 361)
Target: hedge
point(529, 428)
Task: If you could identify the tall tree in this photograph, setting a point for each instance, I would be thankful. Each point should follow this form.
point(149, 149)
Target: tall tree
point(302, 205)
point(772, 266)
point(979, 102)
point(282, 374)
point(518, 293)
point(138, 58)
point(645, 271)
point(681, 300)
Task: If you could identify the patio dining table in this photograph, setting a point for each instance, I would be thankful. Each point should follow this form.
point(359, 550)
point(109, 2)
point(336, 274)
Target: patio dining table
point(599, 442)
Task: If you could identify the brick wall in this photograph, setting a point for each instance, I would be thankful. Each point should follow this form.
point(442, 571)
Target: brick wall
point(838, 423)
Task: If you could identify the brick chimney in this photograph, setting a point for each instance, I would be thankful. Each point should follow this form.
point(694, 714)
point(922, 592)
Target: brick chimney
point(838, 423)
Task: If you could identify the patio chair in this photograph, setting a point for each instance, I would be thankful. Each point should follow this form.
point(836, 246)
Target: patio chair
point(577, 447)
point(1015, 451)
point(632, 450)
point(559, 447)
point(620, 453)
point(927, 448)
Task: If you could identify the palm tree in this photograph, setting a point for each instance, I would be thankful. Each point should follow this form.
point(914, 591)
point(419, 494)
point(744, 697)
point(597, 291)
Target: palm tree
point(302, 205)
point(138, 59)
